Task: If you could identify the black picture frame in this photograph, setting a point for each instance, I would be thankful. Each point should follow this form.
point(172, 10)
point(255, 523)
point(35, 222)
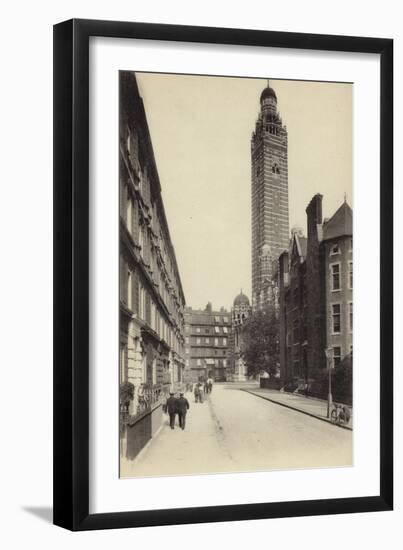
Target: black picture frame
point(71, 274)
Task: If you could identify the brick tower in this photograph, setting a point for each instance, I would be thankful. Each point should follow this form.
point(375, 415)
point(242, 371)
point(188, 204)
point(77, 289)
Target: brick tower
point(270, 225)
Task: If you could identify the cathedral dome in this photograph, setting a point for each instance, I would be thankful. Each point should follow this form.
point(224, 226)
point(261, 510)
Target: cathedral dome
point(267, 92)
point(241, 300)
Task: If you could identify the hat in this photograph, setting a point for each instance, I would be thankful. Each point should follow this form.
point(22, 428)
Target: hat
point(171, 393)
point(181, 393)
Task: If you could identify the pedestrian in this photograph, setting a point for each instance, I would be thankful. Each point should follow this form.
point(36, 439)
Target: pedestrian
point(197, 393)
point(210, 384)
point(171, 406)
point(201, 393)
point(182, 407)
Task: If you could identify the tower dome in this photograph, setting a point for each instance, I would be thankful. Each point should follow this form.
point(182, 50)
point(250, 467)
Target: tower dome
point(268, 92)
point(241, 300)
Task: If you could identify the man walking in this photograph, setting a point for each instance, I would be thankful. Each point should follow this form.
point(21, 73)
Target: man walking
point(171, 407)
point(182, 407)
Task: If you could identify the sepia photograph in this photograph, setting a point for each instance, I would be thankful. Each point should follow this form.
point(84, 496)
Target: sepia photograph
point(235, 274)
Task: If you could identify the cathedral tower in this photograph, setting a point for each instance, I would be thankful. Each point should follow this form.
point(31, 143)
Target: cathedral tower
point(270, 225)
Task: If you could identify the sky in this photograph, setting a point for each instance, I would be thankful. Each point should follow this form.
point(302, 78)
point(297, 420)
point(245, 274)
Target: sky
point(200, 129)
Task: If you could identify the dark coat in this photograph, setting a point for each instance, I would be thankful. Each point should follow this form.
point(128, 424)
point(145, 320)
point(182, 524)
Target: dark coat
point(171, 406)
point(182, 405)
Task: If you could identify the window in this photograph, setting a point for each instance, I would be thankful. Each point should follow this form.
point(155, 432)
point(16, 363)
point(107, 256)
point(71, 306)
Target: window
point(350, 275)
point(207, 340)
point(216, 341)
point(225, 319)
point(336, 355)
point(335, 276)
point(123, 354)
point(197, 329)
point(224, 341)
point(224, 363)
point(141, 302)
point(141, 240)
point(129, 290)
point(336, 318)
point(217, 319)
point(217, 330)
point(225, 330)
point(187, 350)
point(350, 314)
point(187, 339)
point(334, 250)
point(198, 340)
point(207, 331)
point(129, 214)
point(147, 308)
point(198, 362)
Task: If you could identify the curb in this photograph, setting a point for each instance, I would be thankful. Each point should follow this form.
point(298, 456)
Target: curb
point(298, 410)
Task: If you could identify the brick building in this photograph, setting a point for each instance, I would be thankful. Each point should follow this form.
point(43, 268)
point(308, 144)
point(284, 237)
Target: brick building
point(206, 343)
point(316, 285)
point(151, 297)
point(270, 223)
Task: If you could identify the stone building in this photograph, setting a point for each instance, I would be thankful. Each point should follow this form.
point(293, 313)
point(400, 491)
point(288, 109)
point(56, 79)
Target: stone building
point(241, 310)
point(316, 285)
point(270, 224)
point(151, 297)
point(206, 343)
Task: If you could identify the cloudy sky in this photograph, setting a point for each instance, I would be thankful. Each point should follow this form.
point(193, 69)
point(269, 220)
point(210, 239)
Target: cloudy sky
point(200, 129)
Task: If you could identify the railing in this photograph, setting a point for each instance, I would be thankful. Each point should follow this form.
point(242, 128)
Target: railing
point(146, 397)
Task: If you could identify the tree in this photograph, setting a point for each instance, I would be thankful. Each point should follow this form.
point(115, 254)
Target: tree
point(343, 380)
point(260, 342)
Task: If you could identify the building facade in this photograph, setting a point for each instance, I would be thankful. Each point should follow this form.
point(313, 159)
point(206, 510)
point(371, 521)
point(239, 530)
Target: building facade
point(293, 310)
point(316, 300)
point(270, 221)
point(151, 297)
point(241, 310)
point(206, 343)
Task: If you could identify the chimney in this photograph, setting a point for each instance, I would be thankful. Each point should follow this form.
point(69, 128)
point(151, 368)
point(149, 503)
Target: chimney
point(314, 213)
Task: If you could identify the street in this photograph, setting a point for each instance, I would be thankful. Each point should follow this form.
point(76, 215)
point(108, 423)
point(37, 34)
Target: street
point(234, 431)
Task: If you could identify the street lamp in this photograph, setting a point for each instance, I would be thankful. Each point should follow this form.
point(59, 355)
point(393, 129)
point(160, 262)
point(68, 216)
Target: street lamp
point(329, 357)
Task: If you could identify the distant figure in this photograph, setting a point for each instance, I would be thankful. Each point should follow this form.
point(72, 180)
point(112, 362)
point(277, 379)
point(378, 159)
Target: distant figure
point(201, 393)
point(196, 392)
point(182, 405)
point(209, 384)
point(171, 406)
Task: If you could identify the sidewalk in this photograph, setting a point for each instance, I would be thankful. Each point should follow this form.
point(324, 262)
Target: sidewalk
point(195, 450)
point(307, 405)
